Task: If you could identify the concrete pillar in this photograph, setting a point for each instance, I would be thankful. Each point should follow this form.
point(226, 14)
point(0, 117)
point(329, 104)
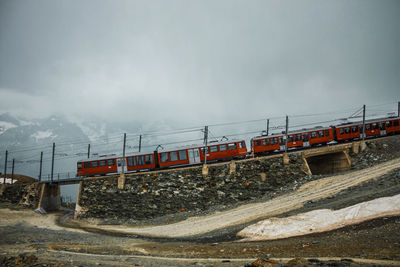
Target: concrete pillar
point(204, 170)
point(363, 145)
point(286, 159)
point(347, 158)
point(78, 208)
point(355, 147)
point(232, 167)
point(307, 169)
point(50, 199)
point(121, 181)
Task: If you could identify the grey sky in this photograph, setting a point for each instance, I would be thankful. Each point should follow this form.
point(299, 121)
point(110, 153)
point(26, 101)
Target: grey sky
point(196, 61)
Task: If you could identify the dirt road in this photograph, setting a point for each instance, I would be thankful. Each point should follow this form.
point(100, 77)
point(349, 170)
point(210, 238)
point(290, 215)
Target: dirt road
point(311, 191)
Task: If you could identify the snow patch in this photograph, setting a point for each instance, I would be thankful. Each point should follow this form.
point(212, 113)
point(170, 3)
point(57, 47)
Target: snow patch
point(321, 220)
point(4, 126)
point(43, 134)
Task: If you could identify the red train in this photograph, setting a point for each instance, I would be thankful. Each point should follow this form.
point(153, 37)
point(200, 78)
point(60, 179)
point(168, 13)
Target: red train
point(220, 151)
point(323, 135)
point(216, 151)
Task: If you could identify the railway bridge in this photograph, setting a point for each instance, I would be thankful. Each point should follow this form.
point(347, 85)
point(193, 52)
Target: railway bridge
point(318, 160)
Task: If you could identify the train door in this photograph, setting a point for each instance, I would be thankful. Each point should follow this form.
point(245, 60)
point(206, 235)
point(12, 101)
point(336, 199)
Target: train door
point(282, 143)
point(306, 141)
point(119, 165)
point(383, 128)
point(194, 156)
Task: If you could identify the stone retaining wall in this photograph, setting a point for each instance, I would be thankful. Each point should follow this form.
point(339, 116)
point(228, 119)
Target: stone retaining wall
point(150, 195)
point(22, 194)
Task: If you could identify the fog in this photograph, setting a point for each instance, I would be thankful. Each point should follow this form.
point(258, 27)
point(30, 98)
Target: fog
point(196, 62)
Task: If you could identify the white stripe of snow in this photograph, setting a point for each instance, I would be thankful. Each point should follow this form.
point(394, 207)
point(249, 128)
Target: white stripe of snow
point(321, 220)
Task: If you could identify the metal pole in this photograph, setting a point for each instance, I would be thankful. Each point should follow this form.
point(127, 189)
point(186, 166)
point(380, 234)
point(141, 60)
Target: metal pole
point(41, 164)
point(267, 127)
point(286, 132)
point(52, 162)
point(363, 125)
point(5, 168)
point(12, 172)
point(123, 155)
point(88, 151)
point(398, 109)
point(140, 142)
point(205, 142)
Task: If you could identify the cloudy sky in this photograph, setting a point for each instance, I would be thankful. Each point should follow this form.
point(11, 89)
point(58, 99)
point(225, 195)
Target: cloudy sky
point(196, 61)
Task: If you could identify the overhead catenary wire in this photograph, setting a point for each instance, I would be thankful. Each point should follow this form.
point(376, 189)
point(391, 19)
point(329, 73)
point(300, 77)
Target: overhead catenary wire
point(117, 138)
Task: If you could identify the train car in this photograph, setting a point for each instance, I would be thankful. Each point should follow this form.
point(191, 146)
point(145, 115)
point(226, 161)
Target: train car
point(296, 139)
point(223, 150)
point(175, 157)
point(348, 131)
point(141, 161)
point(392, 125)
point(195, 154)
point(319, 136)
point(99, 166)
point(373, 128)
point(265, 144)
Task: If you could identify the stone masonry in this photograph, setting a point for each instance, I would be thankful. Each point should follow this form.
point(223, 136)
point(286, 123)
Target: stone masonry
point(150, 195)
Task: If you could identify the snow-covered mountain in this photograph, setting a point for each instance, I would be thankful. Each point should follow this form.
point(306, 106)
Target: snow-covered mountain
point(24, 140)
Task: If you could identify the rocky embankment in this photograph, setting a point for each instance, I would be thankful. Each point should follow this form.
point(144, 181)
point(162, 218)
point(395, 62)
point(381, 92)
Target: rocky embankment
point(187, 192)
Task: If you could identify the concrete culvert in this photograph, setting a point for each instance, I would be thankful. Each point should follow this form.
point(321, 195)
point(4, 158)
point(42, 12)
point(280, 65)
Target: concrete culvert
point(328, 163)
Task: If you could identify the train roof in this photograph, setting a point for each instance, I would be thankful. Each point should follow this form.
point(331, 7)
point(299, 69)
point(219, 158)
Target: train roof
point(317, 128)
point(366, 121)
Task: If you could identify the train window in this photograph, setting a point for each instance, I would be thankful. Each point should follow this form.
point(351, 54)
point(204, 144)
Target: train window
point(173, 156)
point(86, 164)
point(382, 124)
point(242, 144)
point(326, 132)
point(274, 141)
point(347, 130)
point(103, 163)
point(305, 137)
point(313, 135)
point(298, 137)
point(148, 159)
point(341, 131)
point(79, 165)
point(182, 155)
point(222, 147)
point(164, 157)
point(258, 143)
point(281, 140)
point(140, 160)
point(354, 129)
point(95, 164)
point(111, 162)
point(396, 123)
point(368, 127)
point(213, 149)
point(265, 142)
point(232, 146)
point(131, 161)
point(389, 124)
point(375, 126)
point(202, 150)
point(290, 138)
point(321, 134)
